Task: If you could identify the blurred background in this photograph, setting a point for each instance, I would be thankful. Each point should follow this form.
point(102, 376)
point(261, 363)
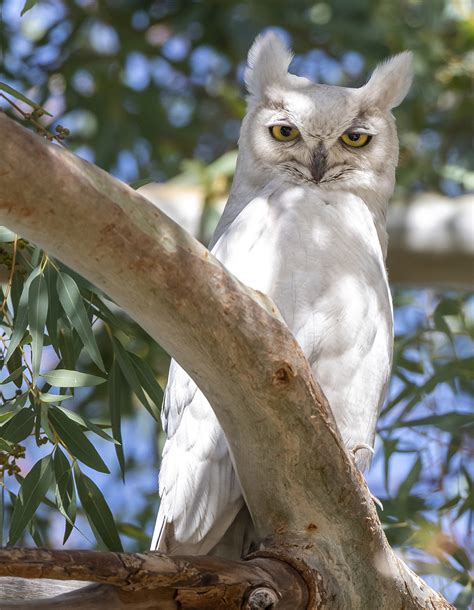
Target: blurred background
point(152, 91)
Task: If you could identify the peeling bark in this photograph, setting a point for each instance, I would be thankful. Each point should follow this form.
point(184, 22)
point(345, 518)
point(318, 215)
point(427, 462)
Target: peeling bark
point(310, 505)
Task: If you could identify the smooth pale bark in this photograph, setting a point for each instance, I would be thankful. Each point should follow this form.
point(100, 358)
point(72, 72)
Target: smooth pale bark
point(309, 503)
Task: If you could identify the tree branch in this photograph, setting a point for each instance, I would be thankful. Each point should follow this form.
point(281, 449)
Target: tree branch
point(309, 503)
point(131, 580)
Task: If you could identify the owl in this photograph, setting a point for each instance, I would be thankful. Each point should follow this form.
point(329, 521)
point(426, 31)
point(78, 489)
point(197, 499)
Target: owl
point(305, 224)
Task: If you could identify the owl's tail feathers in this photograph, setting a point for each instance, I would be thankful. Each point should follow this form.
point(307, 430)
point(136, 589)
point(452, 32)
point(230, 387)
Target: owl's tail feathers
point(231, 536)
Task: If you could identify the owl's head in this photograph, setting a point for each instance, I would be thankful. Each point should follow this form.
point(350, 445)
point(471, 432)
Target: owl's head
point(326, 136)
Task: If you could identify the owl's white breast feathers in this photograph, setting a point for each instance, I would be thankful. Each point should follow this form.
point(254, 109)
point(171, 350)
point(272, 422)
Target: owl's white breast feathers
point(317, 255)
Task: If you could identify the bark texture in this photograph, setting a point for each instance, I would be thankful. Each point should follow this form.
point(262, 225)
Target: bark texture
point(153, 580)
point(309, 503)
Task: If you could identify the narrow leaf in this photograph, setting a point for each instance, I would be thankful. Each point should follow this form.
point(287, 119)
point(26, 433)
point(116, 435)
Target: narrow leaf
point(64, 491)
point(68, 344)
point(128, 370)
point(116, 394)
point(14, 375)
point(73, 305)
point(19, 96)
point(16, 362)
point(19, 426)
point(37, 312)
point(75, 440)
point(6, 235)
point(29, 4)
point(97, 511)
point(32, 491)
point(87, 424)
point(62, 378)
point(53, 397)
point(149, 383)
point(54, 309)
point(21, 315)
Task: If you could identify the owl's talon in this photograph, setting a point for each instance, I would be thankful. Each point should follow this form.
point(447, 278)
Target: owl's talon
point(360, 446)
point(376, 501)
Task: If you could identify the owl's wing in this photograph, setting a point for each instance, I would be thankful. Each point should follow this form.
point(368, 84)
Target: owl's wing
point(200, 494)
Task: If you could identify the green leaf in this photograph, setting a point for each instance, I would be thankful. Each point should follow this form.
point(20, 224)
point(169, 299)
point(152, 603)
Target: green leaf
point(62, 378)
point(19, 426)
point(14, 375)
point(21, 317)
point(15, 362)
point(53, 397)
point(44, 422)
point(54, 309)
point(128, 370)
point(149, 383)
point(20, 96)
point(449, 422)
point(15, 404)
point(37, 312)
point(32, 491)
point(29, 4)
point(75, 440)
point(6, 235)
point(5, 446)
point(64, 491)
point(87, 424)
point(116, 395)
point(73, 305)
point(411, 479)
point(97, 511)
point(68, 344)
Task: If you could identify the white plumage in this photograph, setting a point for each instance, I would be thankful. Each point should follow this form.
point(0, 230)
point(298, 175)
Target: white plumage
point(305, 224)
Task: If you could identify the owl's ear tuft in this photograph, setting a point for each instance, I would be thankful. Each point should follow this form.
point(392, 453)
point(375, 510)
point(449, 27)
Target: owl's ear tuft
point(267, 64)
point(390, 82)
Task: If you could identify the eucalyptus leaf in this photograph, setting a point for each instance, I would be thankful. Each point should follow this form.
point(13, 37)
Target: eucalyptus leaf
point(126, 365)
point(73, 305)
point(97, 511)
point(6, 235)
point(75, 440)
point(14, 375)
point(116, 393)
point(19, 426)
point(64, 491)
point(53, 397)
point(32, 491)
point(62, 378)
point(20, 96)
point(37, 312)
point(21, 317)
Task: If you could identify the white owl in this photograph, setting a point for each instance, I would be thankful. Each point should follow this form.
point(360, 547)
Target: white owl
point(305, 224)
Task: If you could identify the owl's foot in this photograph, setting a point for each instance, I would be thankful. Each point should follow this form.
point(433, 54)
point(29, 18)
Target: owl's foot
point(360, 446)
point(353, 452)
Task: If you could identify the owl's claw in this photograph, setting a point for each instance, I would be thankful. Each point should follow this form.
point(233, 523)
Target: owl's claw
point(360, 446)
point(376, 501)
point(353, 451)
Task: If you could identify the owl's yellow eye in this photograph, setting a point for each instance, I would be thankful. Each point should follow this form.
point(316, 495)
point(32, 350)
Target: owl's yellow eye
point(284, 133)
point(356, 140)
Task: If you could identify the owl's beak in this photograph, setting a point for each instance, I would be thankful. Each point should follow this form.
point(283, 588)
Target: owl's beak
point(319, 163)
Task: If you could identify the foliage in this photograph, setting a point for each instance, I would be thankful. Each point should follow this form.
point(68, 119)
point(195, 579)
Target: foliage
point(150, 89)
point(48, 313)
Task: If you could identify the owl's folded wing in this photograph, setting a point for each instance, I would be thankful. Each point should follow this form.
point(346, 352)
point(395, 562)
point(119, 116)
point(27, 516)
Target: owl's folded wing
point(200, 494)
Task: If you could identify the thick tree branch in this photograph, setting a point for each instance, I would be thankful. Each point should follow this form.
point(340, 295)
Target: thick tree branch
point(309, 503)
point(132, 580)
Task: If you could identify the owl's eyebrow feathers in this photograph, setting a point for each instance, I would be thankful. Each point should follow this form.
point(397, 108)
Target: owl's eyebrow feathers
point(360, 123)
